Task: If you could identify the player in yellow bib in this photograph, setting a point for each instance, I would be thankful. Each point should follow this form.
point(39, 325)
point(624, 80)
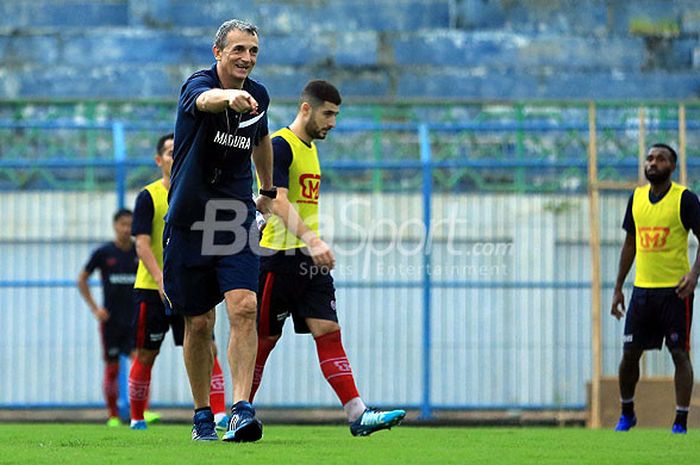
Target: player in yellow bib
point(658, 218)
point(152, 318)
point(295, 267)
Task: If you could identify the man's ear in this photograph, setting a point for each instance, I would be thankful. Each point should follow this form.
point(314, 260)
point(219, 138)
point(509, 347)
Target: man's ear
point(305, 108)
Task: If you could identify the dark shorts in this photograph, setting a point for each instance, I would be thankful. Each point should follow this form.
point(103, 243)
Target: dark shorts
point(117, 339)
point(153, 321)
point(293, 285)
point(196, 282)
point(657, 314)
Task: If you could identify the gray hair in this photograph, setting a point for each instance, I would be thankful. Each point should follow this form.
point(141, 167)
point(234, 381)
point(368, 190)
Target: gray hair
point(228, 26)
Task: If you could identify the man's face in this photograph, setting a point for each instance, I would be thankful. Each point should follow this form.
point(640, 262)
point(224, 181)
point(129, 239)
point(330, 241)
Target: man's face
point(165, 159)
point(239, 55)
point(658, 165)
point(321, 120)
point(122, 228)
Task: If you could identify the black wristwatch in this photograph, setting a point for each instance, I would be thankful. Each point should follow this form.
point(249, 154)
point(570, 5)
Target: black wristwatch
point(272, 193)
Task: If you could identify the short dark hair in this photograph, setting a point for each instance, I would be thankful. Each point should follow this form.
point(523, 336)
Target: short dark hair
point(230, 25)
point(161, 142)
point(674, 155)
point(121, 213)
point(318, 91)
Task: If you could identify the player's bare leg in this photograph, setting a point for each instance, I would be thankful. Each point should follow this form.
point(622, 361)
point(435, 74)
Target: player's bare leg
point(241, 305)
point(628, 378)
point(198, 355)
point(243, 340)
point(683, 381)
point(199, 361)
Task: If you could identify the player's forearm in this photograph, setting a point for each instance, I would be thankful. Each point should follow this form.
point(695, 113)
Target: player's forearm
point(292, 221)
point(262, 157)
point(84, 290)
point(145, 254)
point(626, 259)
point(696, 266)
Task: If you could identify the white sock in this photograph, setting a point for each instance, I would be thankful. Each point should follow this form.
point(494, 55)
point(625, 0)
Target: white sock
point(218, 417)
point(354, 409)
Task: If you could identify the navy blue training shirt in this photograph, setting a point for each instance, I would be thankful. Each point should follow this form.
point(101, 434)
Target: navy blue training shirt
point(211, 158)
point(282, 160)
point(118, 273)
point(143, 214)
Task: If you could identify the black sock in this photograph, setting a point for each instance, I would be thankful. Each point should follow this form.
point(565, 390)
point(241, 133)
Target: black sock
point(197, 410)
point(681, 418)
point(628, 409)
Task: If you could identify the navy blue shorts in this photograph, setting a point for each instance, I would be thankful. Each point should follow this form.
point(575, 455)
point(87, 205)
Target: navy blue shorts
point(195, 282)
point(153, 321)
point(657, 314)
point(293, 285)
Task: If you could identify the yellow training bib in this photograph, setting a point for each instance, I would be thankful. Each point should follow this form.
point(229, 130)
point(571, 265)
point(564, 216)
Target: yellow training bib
point(304, 186)
point(159, 195)
point(661, 238)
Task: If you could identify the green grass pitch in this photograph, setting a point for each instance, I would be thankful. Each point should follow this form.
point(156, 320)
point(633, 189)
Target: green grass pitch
point(72, 444)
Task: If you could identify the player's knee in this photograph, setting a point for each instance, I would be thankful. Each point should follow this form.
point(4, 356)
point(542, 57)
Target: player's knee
point(680, 357)
point(147, 357)
point(199, 326)
point(245, 306)
point(631, 356)
point(320, 328)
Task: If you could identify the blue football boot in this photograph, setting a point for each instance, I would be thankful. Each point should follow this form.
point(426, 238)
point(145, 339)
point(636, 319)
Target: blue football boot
point(679, 429)
point(222, 425)
point(373, 420)
point(243, 426)
point(626, 423)
point(203, 428)
point(138, 425)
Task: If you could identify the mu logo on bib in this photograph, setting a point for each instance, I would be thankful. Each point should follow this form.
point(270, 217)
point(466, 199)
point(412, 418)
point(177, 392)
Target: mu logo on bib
point(653, 238)
point(310, 184)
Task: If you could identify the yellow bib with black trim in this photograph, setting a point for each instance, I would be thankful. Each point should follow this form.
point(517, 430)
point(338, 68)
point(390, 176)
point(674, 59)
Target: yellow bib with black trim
point(159, 195)
point(661, 238)
point(304, 185)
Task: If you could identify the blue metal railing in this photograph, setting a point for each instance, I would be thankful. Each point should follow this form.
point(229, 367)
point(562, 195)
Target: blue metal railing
point(427, 166)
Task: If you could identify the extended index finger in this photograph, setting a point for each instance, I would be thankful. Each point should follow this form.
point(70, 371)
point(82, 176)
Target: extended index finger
point(253, 104)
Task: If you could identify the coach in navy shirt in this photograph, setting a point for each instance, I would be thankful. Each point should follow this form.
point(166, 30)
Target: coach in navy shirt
point(221, 122)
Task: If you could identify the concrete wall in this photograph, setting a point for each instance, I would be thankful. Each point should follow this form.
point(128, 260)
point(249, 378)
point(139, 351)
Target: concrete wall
point(469, 49)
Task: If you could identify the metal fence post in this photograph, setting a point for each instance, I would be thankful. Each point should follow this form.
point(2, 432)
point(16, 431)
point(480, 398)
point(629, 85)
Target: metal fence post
point(427, 168)
point(119, 142)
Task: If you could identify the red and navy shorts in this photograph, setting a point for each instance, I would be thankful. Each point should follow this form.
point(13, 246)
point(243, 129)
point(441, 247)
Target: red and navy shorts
point(291, 285)
point(657, 314)
point(153, 321)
